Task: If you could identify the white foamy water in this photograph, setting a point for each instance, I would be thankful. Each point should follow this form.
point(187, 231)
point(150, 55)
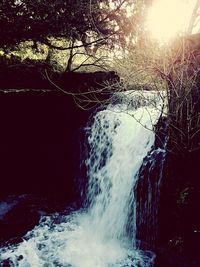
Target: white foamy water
point(103, 234)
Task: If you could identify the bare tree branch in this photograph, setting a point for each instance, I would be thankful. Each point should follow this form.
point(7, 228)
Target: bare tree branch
point(193, 17)
point(100, 40)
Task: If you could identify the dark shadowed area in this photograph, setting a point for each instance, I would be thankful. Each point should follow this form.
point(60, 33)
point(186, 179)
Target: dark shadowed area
point(40, 143)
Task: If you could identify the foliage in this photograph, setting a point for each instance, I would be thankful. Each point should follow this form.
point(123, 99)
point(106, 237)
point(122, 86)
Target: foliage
point(37, 20)
point(173, 71)
point(47, 29)
point(184, 104)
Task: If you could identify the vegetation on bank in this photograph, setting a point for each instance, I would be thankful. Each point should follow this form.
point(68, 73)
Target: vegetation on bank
point(62, 33)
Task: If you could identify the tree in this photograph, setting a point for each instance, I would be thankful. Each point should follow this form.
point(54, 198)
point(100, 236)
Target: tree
point(39, 21)
point(68, 25)
point(175, 68)
point(195, 18)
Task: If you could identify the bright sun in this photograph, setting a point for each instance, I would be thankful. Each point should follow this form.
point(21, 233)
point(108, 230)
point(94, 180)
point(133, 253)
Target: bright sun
point(167, 18)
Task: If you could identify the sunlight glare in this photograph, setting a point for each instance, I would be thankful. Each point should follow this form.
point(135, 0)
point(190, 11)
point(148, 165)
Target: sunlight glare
point(167, 18)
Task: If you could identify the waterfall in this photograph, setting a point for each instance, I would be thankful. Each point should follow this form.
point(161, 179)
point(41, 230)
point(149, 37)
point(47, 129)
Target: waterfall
point(103, 233)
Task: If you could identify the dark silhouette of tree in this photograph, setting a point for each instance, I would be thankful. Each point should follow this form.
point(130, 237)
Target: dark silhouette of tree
point(88, 21)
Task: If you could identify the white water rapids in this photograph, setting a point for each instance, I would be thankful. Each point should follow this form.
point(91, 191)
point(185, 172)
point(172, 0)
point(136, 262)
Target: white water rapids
point(103, 234)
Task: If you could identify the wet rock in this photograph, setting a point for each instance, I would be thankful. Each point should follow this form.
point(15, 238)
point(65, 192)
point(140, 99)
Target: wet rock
point(17, 222)
point(168, 205)
point(170, 257)
point(148, 190)
point(6, 263)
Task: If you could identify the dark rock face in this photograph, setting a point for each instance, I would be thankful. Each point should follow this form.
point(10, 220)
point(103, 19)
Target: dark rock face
point(168, 195)
point(179, 235)
point(39, 76)
point(40, 143)
point(78, 81)
point(148, 190)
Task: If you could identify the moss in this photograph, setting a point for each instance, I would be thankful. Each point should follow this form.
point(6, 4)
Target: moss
point(184, 195)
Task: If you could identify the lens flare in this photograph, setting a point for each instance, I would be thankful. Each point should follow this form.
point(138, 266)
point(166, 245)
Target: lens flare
point(168, 18)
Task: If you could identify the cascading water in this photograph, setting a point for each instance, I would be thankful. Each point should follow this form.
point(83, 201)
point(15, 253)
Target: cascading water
point(104, 233)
